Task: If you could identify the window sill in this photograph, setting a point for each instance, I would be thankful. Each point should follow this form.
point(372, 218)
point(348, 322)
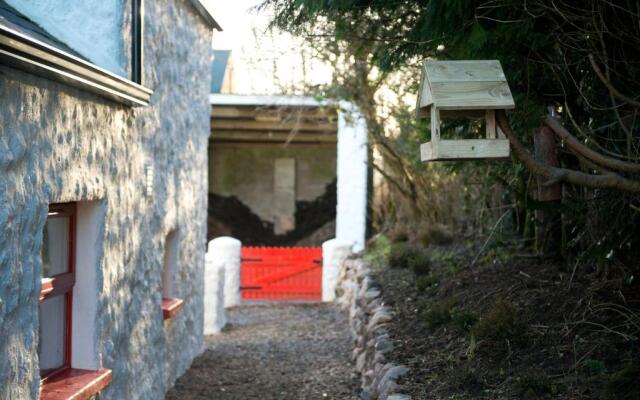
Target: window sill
point(22, 51)
point(171, 307)
point(75, 384)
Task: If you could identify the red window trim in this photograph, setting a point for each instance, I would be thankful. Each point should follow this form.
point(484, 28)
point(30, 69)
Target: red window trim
point(62, 284)
point(171, 307)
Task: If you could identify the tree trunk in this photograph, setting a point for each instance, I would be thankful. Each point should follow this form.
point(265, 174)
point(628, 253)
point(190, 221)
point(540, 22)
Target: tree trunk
point(547, 214)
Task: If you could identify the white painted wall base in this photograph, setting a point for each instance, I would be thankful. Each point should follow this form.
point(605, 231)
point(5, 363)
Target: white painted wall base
point(334, 252)
point(227, 250)
point(214, 281)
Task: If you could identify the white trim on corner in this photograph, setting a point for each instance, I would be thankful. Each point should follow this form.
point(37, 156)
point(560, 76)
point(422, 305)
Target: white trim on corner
point(24, 52)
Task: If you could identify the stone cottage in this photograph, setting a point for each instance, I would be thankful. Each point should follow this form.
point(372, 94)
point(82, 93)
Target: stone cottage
point(104, 126)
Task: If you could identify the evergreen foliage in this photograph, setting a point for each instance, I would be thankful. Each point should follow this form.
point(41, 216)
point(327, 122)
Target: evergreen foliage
point(550, 52)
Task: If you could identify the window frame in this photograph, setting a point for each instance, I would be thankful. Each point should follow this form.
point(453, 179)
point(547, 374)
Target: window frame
point(137, 41)
point(62, 284)
point(170, 304)
point(24, 51)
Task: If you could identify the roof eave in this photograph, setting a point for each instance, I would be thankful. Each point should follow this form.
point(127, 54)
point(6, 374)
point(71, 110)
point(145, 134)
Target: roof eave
point(204, 12)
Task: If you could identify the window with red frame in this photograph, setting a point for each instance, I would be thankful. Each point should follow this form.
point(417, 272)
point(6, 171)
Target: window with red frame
point(58, 278)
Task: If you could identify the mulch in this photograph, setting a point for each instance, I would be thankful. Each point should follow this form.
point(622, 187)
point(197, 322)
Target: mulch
point(570, 352)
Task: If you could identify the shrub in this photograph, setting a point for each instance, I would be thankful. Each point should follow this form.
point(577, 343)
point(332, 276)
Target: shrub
point(424, 282)
point(401, 254)
point(623, 385)
point(594, 367)
point(502, 326)
point(533, 385)
point(464, 321)
point(437, 234)
point(438, 314)
point(378, 251)
point(465, 378)
point(398, 234)
point(420, 263)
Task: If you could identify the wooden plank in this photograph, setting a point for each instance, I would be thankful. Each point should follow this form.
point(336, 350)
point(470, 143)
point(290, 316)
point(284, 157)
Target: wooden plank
point(171, 307)
point(275, 137)
point(490, 124)
point(469, 149)
point(269, 125)
point(424, 94)
point(75, 384)
point(285, 112)
point(464, 71)
point(472, 95)
point(435, 127)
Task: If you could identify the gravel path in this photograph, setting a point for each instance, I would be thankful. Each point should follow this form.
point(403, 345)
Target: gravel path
point(277, 351)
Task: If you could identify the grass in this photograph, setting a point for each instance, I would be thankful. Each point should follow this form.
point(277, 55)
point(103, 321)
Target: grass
point(445, 312)
point(378, 251)
point(420, 263)
point(438, 314)
point(623, 384)
point(533, 385)
point(402, 255)
point(502, 326)
point(424, 282)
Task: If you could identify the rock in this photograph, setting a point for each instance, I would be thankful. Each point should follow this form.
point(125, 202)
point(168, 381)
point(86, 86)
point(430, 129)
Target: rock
point(381, 316)
point(383, 344)
point(388, 380)
point(360, 360)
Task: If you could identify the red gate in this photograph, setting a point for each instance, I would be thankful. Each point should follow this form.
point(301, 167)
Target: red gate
point(281, 273)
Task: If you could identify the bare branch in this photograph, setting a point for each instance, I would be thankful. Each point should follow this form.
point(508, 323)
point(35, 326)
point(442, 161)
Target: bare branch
point(610, 86)
point(606, 181)
point(588, 153)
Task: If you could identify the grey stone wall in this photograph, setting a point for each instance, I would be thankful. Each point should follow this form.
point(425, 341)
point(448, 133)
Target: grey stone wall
point(59, 144)
point(369, 318)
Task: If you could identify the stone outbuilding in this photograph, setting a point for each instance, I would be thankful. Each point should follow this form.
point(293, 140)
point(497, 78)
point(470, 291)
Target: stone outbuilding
point(287, 170)
point(104, 125)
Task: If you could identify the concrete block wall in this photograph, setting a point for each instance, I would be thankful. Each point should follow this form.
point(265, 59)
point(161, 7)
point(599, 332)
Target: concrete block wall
point(60, 144)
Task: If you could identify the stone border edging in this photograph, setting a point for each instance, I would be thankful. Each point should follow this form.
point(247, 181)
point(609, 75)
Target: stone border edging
point(357, 292)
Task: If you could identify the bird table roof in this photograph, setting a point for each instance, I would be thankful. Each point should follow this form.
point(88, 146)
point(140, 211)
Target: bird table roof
point(464, 85)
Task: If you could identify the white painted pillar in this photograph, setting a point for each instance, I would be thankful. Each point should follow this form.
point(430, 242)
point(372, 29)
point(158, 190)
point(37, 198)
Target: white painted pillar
point(227, 249)
point(351, 219)
point(214, 272)
point(334, 252)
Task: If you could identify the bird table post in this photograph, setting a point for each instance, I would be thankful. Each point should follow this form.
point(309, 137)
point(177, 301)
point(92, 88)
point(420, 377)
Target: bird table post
point(471, 89)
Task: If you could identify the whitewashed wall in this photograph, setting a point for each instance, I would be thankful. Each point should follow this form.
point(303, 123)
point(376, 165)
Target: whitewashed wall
point(351, 220)
point(334, 252)
point(214, 281)
point(59, 144)
point(226, 250)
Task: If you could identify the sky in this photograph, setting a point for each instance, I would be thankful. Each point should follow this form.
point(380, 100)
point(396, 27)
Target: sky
point(263, 62)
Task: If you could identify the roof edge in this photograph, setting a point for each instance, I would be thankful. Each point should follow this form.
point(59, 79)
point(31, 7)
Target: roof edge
point(205, 14)
point(265, 100)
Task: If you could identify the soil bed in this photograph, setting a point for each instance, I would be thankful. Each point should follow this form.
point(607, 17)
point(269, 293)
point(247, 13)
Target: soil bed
point(511, 327)
point(274, 351)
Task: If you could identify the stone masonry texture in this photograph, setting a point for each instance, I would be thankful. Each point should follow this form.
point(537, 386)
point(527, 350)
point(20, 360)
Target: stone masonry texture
point(60, 144)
